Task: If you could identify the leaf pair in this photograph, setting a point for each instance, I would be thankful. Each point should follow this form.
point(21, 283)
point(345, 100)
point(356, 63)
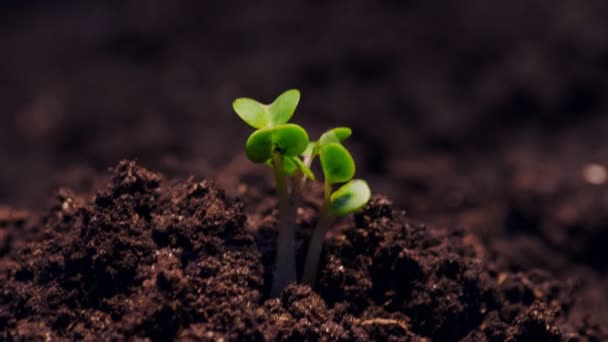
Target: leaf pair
point(337, 134)
point(259, 115)
point(339, 167)
point(273, 132)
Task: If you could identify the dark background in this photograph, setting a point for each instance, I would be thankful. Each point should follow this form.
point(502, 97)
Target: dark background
point(476, 114)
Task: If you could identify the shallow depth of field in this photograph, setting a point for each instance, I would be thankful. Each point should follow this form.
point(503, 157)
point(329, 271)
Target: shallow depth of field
point(480, 118)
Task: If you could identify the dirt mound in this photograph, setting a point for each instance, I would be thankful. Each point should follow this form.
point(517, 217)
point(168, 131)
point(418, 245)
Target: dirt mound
point(152, 258)
point(141, 260)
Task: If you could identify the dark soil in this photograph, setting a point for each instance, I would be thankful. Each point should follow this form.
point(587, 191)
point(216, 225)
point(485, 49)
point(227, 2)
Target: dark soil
point(481, 119)
point(147, 257)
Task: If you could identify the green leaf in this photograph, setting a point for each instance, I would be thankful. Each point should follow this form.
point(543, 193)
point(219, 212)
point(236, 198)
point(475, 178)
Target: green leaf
point(305, 169)
point(282, 109)
point(252, 112)
point(289, 166)
point(289, 139)
point(351, 197)
point(335, 135)
point(337, 163)
point(342, 132)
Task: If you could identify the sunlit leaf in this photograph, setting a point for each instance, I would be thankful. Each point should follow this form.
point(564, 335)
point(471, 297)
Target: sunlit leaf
point(342, 132)
point(252, 112)
point(288, 139)
point(337, 163)
point(284, 106)
point(335, 135)
point(351, 197)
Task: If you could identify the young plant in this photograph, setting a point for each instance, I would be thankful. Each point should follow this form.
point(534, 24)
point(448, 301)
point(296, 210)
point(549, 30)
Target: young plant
point(278, 144)
point(337, 134)
point(338, 167)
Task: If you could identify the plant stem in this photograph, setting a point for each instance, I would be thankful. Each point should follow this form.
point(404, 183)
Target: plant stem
point(315, 246)
point(299, 180)
point(285, 272)
point(327, 195)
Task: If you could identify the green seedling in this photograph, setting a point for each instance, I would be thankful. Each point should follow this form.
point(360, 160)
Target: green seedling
point(278, 144)
point(337, 134)
point(338, 167)
point(334, 135)
point(286, 148)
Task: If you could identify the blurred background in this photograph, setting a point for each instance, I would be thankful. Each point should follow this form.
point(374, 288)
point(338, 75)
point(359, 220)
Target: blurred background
point(486, 115)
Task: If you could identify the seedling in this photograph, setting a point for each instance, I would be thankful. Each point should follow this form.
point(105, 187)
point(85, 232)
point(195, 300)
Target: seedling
point(338, 167)
point(278, 144)
point(337, 134)
point(282, 145)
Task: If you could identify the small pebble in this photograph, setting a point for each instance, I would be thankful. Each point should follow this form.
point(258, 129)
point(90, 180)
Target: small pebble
point(595, 174)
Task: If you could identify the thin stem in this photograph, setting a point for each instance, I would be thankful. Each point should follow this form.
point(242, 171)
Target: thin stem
point(300, 179)
point(307, 160)
point(285, 272)
point(297, 184)
point(315, 246)
point(327, 195)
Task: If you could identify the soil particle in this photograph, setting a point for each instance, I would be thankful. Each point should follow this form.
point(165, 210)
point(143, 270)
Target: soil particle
point(535, 324)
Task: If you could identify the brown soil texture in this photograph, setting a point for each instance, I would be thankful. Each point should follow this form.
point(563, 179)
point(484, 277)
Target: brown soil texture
point(153, 258)
point(480, 118)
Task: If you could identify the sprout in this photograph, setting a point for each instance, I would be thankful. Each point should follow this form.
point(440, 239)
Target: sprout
point(286, 148)
point(278, 144)
point(338, 167)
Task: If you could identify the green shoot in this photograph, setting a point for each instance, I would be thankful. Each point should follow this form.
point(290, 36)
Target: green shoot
point(338, 167)
point(336, 135)
point(278, 144)
point(286, 148)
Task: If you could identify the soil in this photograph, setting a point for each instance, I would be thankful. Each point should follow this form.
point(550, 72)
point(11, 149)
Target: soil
point(148, 257)
point(485, 121)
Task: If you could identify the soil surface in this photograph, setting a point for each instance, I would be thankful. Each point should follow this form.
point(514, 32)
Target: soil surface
point(148, 257)
point(484, 120)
